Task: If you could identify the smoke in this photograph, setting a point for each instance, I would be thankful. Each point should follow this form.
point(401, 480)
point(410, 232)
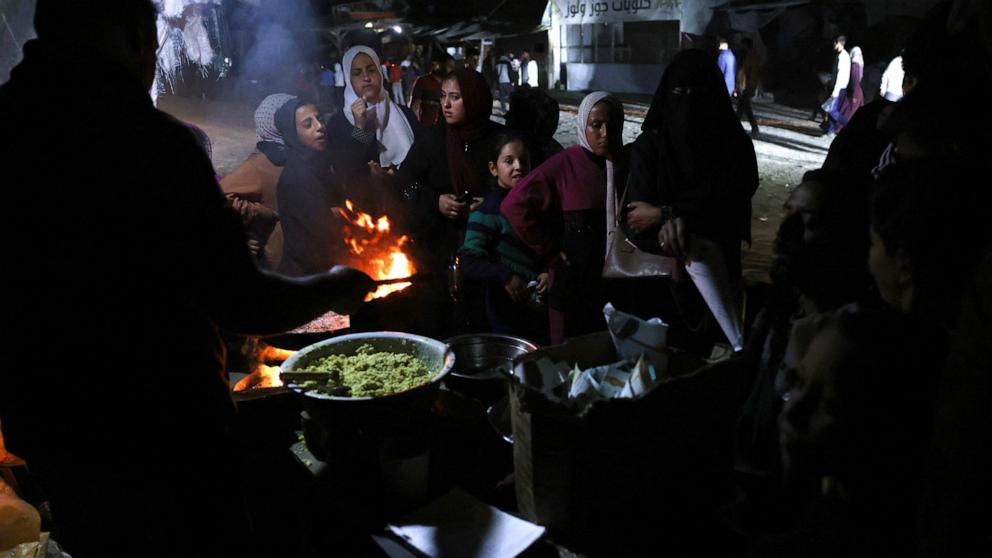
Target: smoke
point(273, 41)
point(16, 28)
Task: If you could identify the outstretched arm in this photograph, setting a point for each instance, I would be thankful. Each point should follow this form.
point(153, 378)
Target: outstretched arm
point(215, 262)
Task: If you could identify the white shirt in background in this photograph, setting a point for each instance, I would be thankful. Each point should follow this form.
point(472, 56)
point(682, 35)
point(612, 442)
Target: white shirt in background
point(891, 87)
point(338, 75)
point(532, 72)
point(842, 74)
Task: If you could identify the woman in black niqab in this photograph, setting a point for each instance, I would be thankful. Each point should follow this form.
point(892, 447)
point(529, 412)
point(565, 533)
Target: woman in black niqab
point(692, 174)
point(694, 161)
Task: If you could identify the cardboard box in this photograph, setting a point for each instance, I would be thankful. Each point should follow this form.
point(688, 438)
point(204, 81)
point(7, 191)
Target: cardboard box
point(624, 476)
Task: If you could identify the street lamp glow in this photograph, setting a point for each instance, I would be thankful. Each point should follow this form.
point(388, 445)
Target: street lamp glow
point(397, 28)
point(368, 25)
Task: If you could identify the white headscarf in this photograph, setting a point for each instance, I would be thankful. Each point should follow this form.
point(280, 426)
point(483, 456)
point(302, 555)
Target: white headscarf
point(391, 127)
point(265, 126)
point(585, 108)
point(857, 57)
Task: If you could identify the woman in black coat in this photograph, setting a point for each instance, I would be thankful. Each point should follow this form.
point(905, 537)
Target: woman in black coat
point(306, 192)
point(692, 174)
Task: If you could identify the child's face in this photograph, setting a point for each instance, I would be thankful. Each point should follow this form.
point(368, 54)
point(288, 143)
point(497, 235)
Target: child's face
point(511, 166)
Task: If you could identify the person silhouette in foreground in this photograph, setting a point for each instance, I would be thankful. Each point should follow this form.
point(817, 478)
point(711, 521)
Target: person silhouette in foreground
point(131, 261)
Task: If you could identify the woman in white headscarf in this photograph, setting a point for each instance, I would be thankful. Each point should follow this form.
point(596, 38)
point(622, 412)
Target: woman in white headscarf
point(852, 98)
point(559, 210)
point(371, 136)
point(251, 188)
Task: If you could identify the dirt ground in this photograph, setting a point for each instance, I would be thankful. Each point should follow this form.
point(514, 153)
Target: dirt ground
point(789, 145)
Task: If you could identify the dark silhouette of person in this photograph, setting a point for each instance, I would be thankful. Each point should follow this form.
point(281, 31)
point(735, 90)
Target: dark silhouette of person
point(748, 75)
point(129, 263)
point(534, 114)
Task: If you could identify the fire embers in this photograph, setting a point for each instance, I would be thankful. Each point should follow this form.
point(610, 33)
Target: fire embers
point(7, 458)
point(374, 249)
point(262, 375)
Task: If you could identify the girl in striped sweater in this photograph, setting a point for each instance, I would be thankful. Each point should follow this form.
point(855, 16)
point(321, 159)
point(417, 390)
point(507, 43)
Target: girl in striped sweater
point(494, 256)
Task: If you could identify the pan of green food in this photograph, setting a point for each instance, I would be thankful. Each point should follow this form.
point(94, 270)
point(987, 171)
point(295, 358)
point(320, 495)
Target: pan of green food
point(365, 366)
point(373, 384)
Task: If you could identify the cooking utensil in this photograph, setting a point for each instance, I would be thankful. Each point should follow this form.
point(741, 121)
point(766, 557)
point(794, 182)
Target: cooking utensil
point(415, 278)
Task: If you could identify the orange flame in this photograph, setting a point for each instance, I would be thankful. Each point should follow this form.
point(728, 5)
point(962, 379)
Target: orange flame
point(377, 252)
point(262, 377)
point(7, 458)
point(274, 354)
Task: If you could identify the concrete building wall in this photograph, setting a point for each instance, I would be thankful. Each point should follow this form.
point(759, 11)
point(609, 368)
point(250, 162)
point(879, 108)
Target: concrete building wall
point(617, 78)
point(696, 15)
point(16, 28)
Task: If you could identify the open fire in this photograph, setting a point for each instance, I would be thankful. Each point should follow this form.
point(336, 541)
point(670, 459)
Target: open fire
point(262, 375)
point(374, 249)
point(7, 458)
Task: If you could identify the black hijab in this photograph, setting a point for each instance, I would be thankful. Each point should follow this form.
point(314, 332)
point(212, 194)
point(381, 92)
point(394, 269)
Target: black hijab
point(693, 155)
point(478, 101)
point(285, 120)
point(306, 194)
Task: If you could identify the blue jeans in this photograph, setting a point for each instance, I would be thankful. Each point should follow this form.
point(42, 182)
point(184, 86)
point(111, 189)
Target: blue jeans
point(833, 114)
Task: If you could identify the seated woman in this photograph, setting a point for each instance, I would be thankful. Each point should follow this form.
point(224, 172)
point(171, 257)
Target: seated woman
point(559, 210)
point(692, 174)
point(371, 135)
point(306, 192)
point(251, 188)
point(494, 255)
point(820, 264)
point(855, 428)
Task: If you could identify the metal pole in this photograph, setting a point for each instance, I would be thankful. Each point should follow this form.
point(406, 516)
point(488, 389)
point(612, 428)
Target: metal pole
point(613, 42)
point(595, 43)
point(582, 44)
point(9, 30)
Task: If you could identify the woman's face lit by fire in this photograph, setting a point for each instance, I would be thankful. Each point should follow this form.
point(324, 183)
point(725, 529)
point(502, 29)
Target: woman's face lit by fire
point(366, 78)
point(310, 129)
point(452, 103)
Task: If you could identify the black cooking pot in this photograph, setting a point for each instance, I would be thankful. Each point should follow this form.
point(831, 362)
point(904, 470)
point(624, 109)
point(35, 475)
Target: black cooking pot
point(483, 362)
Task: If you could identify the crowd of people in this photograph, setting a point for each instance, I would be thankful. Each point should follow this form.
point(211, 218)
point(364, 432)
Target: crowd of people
point(864, 408)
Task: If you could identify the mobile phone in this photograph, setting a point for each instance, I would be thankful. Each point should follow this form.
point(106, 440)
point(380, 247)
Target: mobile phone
point(466, 197)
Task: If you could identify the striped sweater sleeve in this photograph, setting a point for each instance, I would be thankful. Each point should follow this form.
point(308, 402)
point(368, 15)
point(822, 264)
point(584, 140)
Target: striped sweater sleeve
point(479, 258)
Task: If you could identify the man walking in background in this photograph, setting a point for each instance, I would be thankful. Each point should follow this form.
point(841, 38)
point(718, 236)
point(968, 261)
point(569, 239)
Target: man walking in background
point(728, 66)
point(528, 70)
point(504, 81)
point(747, 84)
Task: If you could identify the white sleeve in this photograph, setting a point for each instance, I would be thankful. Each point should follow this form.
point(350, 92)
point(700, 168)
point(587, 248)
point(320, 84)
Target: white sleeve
point(843, 73)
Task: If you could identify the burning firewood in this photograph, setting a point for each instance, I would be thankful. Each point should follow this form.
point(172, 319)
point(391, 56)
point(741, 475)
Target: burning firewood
point(375, 250)
point(7, 458)
point(261, 377)
point(274, 354)
point(257, 353)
